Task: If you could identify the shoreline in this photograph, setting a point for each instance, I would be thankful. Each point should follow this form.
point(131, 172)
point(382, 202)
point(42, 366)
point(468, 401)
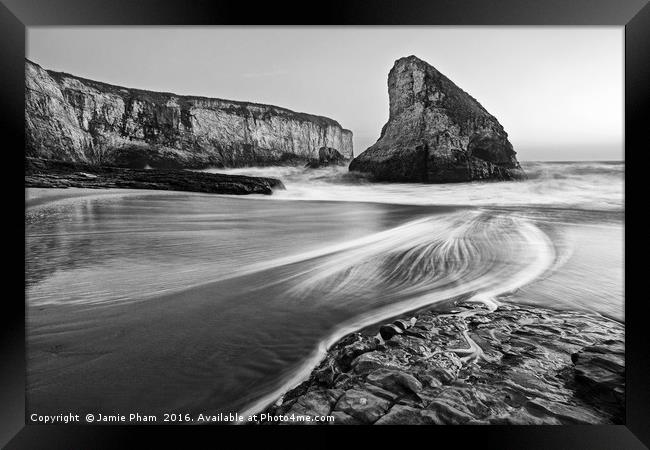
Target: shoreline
point(42, 196)
point(38, 196)
point(472, 364)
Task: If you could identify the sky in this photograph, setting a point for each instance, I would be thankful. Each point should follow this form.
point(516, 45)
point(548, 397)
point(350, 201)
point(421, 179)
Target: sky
point(557, 91)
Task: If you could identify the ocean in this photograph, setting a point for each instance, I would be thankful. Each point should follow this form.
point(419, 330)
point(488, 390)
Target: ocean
point(197, 303)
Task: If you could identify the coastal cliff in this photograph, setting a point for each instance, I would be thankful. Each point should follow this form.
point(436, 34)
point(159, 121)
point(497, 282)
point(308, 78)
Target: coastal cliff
point(436, 133)
point(83, 121)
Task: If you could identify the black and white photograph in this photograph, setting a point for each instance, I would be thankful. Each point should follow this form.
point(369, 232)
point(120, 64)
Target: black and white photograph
point(324, 225)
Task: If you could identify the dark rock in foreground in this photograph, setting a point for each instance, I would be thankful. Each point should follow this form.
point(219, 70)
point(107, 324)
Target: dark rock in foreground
point(515, 365)
point(436, 133)
point(58, 174)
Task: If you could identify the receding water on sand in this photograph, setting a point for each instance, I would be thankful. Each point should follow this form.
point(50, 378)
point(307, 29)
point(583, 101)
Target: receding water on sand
point(215, 304)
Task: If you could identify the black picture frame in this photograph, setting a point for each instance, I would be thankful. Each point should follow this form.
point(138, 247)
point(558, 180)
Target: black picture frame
point(16, 15)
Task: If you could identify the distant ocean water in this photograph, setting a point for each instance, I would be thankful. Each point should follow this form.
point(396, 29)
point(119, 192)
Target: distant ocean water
point(218, 303)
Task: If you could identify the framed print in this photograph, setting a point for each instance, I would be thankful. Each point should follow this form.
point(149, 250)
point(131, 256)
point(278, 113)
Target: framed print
point(388, 220)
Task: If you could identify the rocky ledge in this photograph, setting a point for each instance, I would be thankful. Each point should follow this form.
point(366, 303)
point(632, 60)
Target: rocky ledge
point(45, 173)
point(513, 365)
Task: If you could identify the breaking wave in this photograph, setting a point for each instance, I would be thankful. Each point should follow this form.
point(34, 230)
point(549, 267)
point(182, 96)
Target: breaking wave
point(579, 185)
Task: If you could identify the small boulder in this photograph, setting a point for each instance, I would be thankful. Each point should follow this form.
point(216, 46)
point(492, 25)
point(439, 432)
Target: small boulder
point(326, 375)
point(405, 324)
point(351, 351)
point(388, 331)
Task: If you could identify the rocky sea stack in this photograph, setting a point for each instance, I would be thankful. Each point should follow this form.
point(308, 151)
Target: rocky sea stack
point(436, 133)
point(77, 120)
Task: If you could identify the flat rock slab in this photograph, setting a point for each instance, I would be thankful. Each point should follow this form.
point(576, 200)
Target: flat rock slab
point(45, 173)
point(515, 365)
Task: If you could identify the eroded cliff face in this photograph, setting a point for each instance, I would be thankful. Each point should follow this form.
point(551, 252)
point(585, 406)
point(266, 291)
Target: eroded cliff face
point(74, 119)
point(436, 133)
